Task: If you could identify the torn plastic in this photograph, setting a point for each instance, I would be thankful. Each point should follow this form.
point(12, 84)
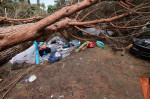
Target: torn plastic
point(97, 31)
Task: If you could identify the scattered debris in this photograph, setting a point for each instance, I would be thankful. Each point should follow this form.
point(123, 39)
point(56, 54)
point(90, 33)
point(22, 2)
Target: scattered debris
point(99, 44)
point(91, 45)
point(39, 53)
point(1, 80)
point(75, 42)
point(62, 96)
point(83, 46)
point(53, 51)
point(80, 58)
point(52, 96)
point(14, 83)
point(31, 78)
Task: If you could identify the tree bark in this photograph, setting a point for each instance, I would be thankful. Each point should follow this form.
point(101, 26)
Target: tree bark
point(42, 35)
point(38, 3)
point(18, 34)
point(29, 2)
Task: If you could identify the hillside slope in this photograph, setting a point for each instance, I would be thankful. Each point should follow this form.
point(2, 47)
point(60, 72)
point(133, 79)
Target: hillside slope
point(90, 74)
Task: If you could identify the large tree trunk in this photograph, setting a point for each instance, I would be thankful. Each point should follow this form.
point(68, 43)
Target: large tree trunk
point(25, 34)
point(42, 35)
point(7, 54)
point(12, 36)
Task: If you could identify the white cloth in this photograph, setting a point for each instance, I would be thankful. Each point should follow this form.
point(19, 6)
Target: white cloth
point(25, 56)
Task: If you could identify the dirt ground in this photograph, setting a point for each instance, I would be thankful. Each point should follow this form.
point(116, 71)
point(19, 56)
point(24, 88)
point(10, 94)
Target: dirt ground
point(91, 74)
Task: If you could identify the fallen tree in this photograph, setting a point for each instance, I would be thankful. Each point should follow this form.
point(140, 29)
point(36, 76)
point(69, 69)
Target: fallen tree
point(19, 35)
point(58, 21)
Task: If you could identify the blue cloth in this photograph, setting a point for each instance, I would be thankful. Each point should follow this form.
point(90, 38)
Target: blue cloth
point(52, 58)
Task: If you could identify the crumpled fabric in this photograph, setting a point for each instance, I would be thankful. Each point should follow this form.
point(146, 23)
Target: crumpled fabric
point(57, 44)
point(66, 52)
point(28, 55)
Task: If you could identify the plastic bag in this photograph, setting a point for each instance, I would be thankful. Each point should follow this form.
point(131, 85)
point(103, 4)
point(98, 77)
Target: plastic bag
point(91, 45)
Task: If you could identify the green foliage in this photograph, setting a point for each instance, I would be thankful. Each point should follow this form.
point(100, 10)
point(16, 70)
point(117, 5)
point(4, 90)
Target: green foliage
point(43, 6)
point(34, 7)
point(9, 6)
point(58, 4)
point(21, 9)
point(51, 9)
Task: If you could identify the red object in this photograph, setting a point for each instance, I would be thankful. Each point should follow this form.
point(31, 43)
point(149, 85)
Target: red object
point(146, 87)
point(91, 45)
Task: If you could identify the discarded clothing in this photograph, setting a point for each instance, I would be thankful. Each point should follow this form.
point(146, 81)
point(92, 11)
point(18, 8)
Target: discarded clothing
point(55, 57)
point(66, 52)
point(45, 51)
point(55, 44)
point(62, 45)
point(74, 43)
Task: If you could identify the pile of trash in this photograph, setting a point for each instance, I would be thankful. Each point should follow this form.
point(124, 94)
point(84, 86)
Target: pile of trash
point(54, 50)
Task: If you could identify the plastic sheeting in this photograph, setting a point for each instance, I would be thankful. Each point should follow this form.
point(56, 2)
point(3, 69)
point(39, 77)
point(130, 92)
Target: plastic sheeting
point(97, 31)
point(27, 56)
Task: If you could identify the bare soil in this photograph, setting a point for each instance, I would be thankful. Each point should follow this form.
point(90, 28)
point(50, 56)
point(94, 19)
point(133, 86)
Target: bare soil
point(91, 74)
